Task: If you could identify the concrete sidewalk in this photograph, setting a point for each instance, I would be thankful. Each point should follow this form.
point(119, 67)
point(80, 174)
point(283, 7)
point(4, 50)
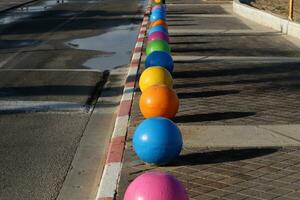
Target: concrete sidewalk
point(238, 84)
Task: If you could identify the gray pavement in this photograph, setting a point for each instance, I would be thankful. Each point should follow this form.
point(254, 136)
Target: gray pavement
point(36, 152)
point(238, 85)
point(54, 58)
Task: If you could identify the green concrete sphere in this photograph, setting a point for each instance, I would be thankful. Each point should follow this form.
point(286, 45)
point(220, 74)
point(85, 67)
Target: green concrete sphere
point(157, 45)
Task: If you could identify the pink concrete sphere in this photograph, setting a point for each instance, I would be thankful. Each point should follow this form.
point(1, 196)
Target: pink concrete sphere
point(158, 35)
point(155, 186)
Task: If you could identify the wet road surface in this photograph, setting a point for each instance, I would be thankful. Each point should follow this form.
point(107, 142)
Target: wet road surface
point(11, 4)
point(52, 57)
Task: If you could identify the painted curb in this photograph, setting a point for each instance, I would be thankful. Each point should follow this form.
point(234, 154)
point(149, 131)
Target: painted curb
point(112, 169)
point(267, 19)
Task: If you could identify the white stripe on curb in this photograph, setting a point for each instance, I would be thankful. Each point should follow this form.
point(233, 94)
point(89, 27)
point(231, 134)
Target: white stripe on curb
point(109, 180)
point(132, 71)
point(136, 56)
point(128, 94)
point(121, 126)
point(139, 44)
point(141, 36)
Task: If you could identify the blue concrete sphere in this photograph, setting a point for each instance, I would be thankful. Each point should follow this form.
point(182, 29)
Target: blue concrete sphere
point(157, 10)
point(157, 141)
point(160, 58)
point(157, 15)
point(158, 28)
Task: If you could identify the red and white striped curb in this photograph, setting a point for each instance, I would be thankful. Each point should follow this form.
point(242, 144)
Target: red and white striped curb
point(112, 170)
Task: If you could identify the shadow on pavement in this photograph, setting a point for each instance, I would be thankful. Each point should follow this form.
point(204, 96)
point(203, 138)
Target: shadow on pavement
point(190, 95)
point(268, 68)
point(189, 42)
point(221, 156)
point(9, 44)
point(251, 81)
point(224, 34)
point(185, 24)
point(66, 90)
point(247, 1)
point(211, 117)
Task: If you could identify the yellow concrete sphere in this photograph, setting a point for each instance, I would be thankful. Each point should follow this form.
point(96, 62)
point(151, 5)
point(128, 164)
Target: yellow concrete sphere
point(154, 76)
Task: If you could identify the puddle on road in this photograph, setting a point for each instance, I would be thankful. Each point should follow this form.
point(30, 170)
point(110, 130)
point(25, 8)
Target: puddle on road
point(117, 44)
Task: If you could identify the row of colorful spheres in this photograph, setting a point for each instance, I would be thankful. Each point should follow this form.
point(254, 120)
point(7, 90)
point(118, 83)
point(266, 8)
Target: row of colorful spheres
point(157, 140)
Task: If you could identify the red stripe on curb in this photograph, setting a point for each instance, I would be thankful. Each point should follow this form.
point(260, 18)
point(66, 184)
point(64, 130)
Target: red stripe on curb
point(135, 62)
point(141, 39)
point(130, 84)
point(137, 49)
point(134, 65)
point(124, 108)
point(116, 150)
point(143, 32)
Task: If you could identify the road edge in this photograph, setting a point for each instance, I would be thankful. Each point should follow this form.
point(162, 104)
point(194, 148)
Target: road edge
point(113, 165)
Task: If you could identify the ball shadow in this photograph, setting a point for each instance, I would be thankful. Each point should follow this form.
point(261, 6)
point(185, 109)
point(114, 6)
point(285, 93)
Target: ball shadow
point(221, 156)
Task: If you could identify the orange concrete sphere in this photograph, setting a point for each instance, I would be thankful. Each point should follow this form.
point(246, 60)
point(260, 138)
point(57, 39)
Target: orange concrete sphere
point(158, 22)
point(159, 101)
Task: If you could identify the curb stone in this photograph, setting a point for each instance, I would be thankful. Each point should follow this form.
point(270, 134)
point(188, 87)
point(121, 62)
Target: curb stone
point(267, 19)
point(112, 169)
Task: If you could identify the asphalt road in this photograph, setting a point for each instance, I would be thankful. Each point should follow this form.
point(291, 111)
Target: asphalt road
point(52, 57)
point(11, 4)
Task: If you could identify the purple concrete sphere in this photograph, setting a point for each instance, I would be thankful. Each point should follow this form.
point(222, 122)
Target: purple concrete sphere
point(157, 35)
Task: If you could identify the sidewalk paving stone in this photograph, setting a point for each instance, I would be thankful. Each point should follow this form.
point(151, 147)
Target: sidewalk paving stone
point(208, 175)
point(232, 83)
